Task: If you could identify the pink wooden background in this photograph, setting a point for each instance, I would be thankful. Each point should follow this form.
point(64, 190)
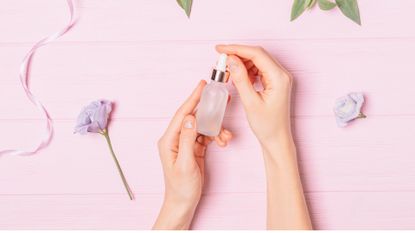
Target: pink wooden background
point(147, 56)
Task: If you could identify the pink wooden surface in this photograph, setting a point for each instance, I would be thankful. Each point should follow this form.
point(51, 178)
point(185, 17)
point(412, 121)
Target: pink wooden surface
point(145, 55)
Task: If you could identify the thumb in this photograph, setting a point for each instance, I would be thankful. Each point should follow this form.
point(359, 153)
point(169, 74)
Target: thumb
point(187, 139)
point(240, 79)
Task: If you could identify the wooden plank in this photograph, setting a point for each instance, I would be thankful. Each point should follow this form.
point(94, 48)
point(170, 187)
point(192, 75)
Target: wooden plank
point(117, 212)
point(67, 76)
point(371, 155)
point(131, 20)
point(331, 210)
point(362, 210)
point(72, 212)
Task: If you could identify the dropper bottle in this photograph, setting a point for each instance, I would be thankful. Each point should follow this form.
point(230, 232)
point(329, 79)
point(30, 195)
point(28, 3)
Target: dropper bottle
point(211, 109)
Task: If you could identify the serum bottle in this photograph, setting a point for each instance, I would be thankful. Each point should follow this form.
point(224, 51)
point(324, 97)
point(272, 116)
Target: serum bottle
point(211, 109)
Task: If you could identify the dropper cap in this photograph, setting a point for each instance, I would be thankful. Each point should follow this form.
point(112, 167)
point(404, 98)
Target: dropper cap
point(219, 74)
point(221, 65)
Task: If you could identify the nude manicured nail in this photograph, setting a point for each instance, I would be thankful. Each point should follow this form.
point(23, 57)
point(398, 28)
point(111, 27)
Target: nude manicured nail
point(227, 132)
point(188, 125)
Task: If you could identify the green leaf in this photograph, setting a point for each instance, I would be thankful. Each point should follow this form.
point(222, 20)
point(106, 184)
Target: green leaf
point(186, 5)
point(326, 5)
point(312, 3)
point(298, 8)
point(350, 9)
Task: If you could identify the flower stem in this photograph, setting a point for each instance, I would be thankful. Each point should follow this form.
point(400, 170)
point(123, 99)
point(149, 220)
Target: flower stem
point(127, 187)
point(361, 115)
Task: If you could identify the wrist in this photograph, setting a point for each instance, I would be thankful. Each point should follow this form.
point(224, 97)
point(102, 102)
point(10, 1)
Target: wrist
point(175, 215)
point(277, 141)
point(184, 198)
point(180, 210)
point(279, 149)
point(182, 203)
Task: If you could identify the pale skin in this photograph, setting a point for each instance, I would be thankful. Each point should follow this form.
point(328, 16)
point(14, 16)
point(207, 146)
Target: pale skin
point(182, 149)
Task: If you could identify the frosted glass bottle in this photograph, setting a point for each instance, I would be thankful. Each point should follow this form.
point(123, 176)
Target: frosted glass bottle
point(212, 105)
point(212, 108)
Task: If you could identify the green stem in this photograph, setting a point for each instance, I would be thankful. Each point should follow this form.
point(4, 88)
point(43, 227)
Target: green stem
point(127, 187)
point(361, 115)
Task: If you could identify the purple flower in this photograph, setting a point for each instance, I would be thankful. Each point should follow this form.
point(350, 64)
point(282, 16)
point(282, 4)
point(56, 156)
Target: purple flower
point(94, 117)
point(348, 108)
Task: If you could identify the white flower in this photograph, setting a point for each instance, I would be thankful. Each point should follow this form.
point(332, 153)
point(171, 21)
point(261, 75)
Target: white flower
point(348, 108)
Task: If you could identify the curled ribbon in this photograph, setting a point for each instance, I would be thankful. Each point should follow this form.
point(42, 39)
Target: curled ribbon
point(24, 77)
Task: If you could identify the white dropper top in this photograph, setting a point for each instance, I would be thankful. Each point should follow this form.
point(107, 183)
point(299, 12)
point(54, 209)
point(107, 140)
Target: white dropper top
point(221, 65)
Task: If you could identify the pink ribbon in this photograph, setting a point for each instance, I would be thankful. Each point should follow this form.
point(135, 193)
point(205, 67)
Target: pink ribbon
point(24, 77)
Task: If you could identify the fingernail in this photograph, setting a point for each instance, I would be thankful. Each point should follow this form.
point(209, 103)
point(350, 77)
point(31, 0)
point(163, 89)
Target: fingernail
point(188, 125)
point(222, 144)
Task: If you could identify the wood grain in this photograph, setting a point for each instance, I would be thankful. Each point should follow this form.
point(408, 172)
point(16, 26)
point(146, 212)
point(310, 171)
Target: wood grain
point(332, 159)
point(134, 74)
point(331, 210)
point(131, 20)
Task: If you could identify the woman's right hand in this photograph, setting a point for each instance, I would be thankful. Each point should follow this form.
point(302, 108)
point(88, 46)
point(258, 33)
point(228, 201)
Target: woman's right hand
point(268, 111)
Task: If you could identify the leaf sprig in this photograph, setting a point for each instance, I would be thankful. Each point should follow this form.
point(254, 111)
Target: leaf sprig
point(348, 7)
point(186, 5)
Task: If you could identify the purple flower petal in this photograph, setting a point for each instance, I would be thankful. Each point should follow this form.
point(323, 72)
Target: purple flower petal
point(348, 108)
point(94, 117)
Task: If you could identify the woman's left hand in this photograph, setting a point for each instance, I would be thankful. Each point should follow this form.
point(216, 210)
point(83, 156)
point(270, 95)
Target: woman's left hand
point(182, 153)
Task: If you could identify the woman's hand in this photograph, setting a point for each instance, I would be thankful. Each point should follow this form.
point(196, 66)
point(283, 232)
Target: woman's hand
point(182, 152)
point(268, 111)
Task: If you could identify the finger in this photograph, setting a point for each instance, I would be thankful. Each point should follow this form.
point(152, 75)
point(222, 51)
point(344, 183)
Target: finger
point(245, 59)
point(220, 142)
point(262, 60)
point(200, 150)
point(249, 64)
point(251, 71)
point(201, 144)
point(225, 135)
point(187, 108)
point(252, 75)
point(269, 69)
point(240, 79)
point(203, 140)
point(223, 138)
point(228, 134)
point(187, 139)
point(200, 153)
point(254, 70)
